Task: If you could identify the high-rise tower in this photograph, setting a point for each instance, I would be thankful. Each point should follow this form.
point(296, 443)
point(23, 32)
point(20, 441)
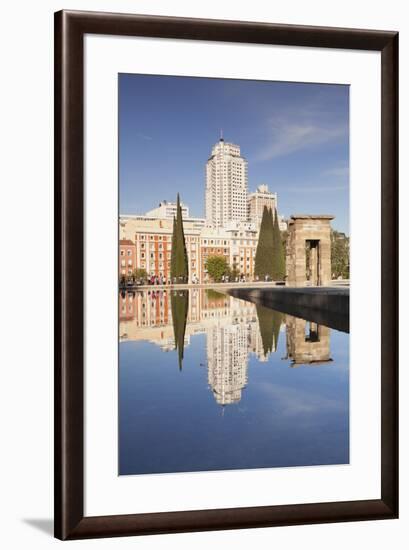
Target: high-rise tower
point(226, 185)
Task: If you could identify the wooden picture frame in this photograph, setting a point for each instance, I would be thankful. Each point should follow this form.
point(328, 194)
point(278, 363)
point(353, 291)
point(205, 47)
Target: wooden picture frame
point(70, 28)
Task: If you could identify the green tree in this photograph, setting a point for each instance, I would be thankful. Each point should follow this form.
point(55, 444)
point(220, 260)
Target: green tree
point(172, 254)
point(263, 265)
point(269, 322)
point(217, 266)
point(265, 322)
point(277, 322)
point(139, 273)
point(213, 295)
point(339, 255)
point(233, 273)
point(278, 269)
point(179, 304)
point(179, 269)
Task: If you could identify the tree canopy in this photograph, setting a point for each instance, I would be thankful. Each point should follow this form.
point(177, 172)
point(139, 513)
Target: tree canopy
point(269, 322)
point(179, 268)
point(263, 265)
point(270, 259)
point(217, 266)
point(339, 255)
point(180, 305)
point(278, 252)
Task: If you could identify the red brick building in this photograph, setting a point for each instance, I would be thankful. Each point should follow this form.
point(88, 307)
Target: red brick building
point(127, 257)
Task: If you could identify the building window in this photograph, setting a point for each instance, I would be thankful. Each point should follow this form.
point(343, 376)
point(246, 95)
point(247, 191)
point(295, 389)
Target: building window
point(122, 252)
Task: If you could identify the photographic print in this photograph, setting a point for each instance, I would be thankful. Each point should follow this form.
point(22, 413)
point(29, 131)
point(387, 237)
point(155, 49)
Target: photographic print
point(233, 274)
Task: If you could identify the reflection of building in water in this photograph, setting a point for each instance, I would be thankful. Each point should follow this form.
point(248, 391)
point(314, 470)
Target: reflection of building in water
point(307, 342)
point(227, 359)
point(231, 327)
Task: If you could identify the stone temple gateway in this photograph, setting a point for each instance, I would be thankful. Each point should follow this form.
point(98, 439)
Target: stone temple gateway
point(309, 250)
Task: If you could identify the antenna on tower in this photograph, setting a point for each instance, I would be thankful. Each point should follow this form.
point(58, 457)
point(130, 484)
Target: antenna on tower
point(221, 134)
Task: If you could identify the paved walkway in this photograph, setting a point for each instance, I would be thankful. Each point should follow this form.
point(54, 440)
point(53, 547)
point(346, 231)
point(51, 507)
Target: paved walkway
point(227, 286)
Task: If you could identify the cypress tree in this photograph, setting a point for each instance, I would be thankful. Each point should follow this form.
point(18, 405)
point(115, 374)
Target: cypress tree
point(278, 259)
point(179, 303)
point(172, 255)
point(265, 325)
point(264, 252)
point(269, 322)
point(179, 262)
point(277, 320)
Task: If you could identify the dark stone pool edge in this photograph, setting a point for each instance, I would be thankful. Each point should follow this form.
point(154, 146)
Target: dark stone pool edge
point(322, 305)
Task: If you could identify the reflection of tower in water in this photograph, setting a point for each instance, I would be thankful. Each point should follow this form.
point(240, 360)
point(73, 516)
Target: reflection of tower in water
point(227, 356)
point(234, 330)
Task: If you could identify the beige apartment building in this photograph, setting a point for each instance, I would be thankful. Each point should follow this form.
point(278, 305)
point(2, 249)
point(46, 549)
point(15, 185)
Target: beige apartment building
point(257, 201)
point(168, 209)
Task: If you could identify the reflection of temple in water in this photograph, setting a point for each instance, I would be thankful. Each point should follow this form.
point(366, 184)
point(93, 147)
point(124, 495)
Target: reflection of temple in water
point(234, 329)
point(307, 342)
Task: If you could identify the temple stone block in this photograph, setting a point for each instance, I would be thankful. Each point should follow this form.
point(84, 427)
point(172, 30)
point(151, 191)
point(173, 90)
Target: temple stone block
point(309, 250)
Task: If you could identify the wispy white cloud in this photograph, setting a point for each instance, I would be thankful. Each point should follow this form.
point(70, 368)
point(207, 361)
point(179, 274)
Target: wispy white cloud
point(329, 187)
point(293, 401)
point(300, 129)
point(144, 136)
point(290, 138)
point(337, 171)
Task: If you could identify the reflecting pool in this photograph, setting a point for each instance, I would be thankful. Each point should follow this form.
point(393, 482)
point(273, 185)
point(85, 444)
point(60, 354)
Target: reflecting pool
point(211, 382)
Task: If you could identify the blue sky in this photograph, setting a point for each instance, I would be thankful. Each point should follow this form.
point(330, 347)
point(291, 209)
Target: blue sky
point(294, 136)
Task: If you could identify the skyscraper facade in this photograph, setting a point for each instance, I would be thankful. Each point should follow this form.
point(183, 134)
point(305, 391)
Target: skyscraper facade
point(226, 185)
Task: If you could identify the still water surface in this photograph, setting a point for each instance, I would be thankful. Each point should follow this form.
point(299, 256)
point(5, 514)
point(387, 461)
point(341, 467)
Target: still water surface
point(211, 382)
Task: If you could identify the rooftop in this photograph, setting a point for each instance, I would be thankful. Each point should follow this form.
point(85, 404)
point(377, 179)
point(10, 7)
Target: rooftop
point(126, 242)
point(312, 217)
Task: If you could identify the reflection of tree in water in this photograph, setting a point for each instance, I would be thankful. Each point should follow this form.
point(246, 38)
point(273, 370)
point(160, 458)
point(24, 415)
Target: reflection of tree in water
point(269, 322)
point(180, 304)
point(214, 296)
